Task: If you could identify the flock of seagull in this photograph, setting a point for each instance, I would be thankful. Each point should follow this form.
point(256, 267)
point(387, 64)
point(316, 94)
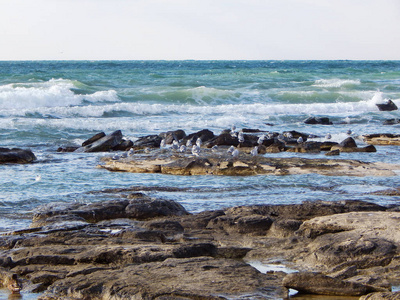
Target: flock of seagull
point(233, 151)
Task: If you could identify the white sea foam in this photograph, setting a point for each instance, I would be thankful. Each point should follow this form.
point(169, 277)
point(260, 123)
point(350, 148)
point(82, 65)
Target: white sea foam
point(335, 82)
point(52, 93)
point(145, 109)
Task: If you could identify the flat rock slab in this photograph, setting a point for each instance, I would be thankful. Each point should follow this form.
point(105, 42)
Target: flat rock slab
point(192, 278)
point(221, 164)
point(382, 139)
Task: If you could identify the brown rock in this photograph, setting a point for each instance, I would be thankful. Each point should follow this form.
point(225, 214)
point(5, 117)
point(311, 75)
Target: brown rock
point(316, 283)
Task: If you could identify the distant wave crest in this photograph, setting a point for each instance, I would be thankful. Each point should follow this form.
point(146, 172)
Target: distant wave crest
point(336, 83)
point(52, 93)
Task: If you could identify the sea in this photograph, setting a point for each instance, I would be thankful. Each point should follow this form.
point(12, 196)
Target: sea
point(45, 105)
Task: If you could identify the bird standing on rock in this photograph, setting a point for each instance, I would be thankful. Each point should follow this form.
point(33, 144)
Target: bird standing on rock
point(235, 153)
point(196, 150)
point(198, 142)
point(231, 149)
point(241, 137)
point(300, 140)
point(254, 152)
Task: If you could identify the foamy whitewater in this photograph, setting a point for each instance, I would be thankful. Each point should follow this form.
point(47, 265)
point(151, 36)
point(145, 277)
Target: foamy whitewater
point(45, 105)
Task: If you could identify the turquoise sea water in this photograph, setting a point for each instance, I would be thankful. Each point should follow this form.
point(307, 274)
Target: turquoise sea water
point(45, 105)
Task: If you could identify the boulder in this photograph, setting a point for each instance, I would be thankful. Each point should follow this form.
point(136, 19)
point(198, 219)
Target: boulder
point(151, 141)
point(205, 135)
point(16, 156)
point(387, 106)
point(349, 145)
point(93, 139)
point(170, 136)
point(103, 144)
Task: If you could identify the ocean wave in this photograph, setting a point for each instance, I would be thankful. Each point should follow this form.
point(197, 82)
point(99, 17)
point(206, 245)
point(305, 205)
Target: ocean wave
point(51, 93)
point(336, 83)
point(106, 110)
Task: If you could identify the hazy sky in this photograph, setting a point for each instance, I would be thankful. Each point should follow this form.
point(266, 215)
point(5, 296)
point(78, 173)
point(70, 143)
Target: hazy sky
point(199, 29)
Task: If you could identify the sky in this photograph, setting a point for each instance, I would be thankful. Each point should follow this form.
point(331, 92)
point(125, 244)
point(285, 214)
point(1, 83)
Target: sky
point(199, 29)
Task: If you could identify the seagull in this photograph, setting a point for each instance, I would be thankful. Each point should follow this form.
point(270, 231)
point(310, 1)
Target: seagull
point(261, 139)
point(300, 140)
point(189, 143)
point(254, 152)
point(288, 135)
point(349, 132)
point(147, 150)
point(115, 157)
point(214, 148)
point(241, 137)
point(182, 148)
point(162, 144)
point(198, 142)
point(231, 149)
point(175, 145)
point(235, 153)
point(270, 136)
point(328, 136)
point(131, 152)
point(38, 177)
point(195, 150)
point(124, 155)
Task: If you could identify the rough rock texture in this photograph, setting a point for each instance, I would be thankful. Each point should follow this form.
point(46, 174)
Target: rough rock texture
point(222, 163)
point(382, 139)
point(316, 283)
point(16, 156)
point(381, 296)
point(143, 248)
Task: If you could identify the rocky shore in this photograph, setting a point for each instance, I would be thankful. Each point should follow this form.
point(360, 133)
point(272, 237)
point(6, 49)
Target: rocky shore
point(137, 247)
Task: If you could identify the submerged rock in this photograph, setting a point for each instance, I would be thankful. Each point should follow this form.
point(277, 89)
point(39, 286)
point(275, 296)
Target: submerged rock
point(317, 120)
point(16, 156)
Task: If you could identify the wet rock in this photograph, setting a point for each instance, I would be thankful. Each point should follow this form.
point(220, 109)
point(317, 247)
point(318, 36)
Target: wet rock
point(192, 278)
point(93, 139)
point(151, 141)
point(349, 145)
point(317, 120)
point(67, 149)
point(316, 283)
point(333, 153)
point(123, 146)
point(138, 209)
point(171, 136)
point(16, 156)
point(103, 144)
point(205, 135)
point(381, 296)
point(387, 106)
point(391, 121)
